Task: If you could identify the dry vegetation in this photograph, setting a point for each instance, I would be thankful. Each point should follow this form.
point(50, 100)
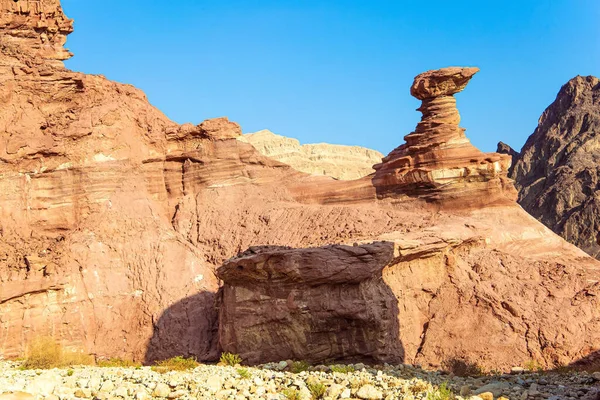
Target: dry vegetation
point(46, 353)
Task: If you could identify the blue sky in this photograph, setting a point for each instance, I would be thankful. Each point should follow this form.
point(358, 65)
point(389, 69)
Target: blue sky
point(339, 71)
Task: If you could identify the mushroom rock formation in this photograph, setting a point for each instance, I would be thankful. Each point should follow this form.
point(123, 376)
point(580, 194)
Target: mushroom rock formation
point(113, 220)
point(438, 162)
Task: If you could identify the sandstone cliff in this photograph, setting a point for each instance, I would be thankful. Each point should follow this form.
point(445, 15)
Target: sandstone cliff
point(337, 161)
point(557, 172)
point(114, 219)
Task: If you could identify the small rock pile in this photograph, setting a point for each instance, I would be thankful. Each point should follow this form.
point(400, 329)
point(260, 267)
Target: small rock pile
point(275, 382)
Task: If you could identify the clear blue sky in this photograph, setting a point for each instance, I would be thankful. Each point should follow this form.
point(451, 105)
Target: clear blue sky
point(339, 71)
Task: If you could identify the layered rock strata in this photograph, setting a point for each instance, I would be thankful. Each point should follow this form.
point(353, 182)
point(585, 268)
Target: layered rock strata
point(337, 161)
point(438, 161)
point(36, 27)
point(113, 220)
point(459, 289)
point(282, 304)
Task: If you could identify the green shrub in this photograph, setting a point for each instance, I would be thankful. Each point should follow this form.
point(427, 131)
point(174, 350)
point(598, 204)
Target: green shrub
point(533, 366)
point(317, 390)
point(342, 369)
point(178, 363)
point(292, 394)
point(230, 359)
point(70, 372)
point(243, 373)
point(46, 353)
point(299, 366)
point(441, 393)
point(118, 363)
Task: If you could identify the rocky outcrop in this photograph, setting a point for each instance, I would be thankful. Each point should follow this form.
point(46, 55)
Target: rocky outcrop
point(557, 171)
point(337, 161)
point(461, 289)
point(293, 308)
point(486, 285)
point(504, 148)
point(113, 220)
point(438, 161)
point(36, 27)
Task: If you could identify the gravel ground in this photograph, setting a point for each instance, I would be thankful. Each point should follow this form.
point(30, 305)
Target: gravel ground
point(273, 382)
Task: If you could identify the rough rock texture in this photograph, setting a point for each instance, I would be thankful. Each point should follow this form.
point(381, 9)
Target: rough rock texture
point(438, 161)
point(39, 25)
point(459, 289)
point(113, 218)
point(337, 161)
point(504, 148)
point(314, 304)
point(557, 172)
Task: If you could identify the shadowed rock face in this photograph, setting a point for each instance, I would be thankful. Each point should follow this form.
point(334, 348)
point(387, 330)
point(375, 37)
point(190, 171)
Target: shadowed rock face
point(277, 305)
point(438, 161)
point(462, 289)
point(113, 220)
point(557, 172)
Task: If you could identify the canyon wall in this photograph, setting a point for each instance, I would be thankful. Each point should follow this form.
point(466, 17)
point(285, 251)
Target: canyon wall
point(337, 161)
point(114, 220)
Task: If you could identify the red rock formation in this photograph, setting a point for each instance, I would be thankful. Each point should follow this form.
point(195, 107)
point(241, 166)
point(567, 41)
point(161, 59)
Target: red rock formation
point(438, 162)
point(113, 218)
point(37, 27)
point(491, 287)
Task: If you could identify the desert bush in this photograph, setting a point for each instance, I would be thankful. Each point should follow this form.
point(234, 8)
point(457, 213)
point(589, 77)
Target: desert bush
point(230, 359)
point(292, 394)
point(243, 373)
point(178, 363)
point(299, 366)
point(317, 390)
point(118, 363)
point(462, 368)
point(441, 393)
point(45, 353)
point(418, 386)
point(342, 369)
point(533, 366)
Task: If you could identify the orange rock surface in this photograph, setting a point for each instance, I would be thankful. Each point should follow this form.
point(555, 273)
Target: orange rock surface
point(438, 161)
point(113, 220)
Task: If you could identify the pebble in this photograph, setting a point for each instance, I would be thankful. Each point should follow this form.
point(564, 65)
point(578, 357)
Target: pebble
point(363, 382)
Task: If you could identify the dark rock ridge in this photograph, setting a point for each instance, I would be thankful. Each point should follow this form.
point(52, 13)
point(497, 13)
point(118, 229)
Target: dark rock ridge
point(557, 172)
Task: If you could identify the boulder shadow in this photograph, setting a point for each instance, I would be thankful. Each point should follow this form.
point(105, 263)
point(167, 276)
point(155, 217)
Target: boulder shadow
point(188, 328)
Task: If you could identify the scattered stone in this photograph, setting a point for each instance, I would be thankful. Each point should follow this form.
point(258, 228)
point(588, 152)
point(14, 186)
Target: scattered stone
point(161, 390)
point(465, 390)
point(369, 392)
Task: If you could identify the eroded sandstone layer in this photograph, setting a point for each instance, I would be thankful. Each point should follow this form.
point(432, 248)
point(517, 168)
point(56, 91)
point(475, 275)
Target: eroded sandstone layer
point(438, 161)
point(557, 172)
point(113, 220)
point(337, 161)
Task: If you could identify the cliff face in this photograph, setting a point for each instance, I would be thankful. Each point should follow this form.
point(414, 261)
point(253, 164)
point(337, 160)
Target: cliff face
point(477, 281)
point(113, 220)
point(337, 161)
point(557, 172)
